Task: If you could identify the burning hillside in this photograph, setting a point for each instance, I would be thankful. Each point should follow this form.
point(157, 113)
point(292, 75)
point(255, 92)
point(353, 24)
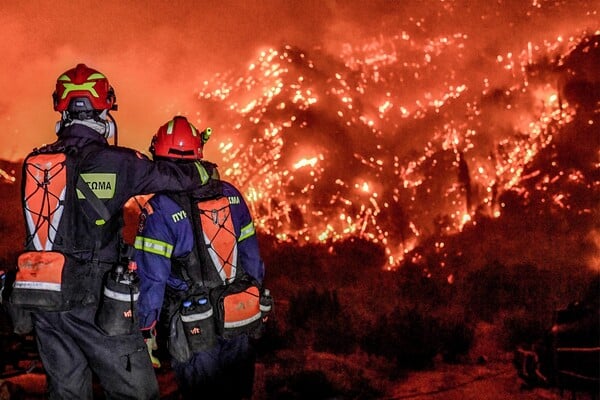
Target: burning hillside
point(395, 138)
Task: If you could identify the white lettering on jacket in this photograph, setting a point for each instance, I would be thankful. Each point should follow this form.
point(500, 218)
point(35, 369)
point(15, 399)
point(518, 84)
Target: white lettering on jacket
point(178, 216)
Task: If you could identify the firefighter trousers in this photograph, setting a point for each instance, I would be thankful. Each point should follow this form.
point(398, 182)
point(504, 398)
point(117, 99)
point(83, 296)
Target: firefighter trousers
point(225, 371)
point(72, 347)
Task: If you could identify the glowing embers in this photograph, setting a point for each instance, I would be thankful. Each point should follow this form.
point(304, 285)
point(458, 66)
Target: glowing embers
point(380, 146)
point(7, 177)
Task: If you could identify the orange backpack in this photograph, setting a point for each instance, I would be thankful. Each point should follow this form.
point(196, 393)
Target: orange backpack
point(234, 295)
point(236, 301)
point(51, 185)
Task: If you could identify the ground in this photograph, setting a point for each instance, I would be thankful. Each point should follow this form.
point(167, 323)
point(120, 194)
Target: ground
point(491, 381)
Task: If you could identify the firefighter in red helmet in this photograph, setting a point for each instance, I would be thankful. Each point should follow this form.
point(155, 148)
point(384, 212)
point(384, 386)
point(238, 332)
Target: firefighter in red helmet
point(201, 276)
point(73, 195)
point(84, 96)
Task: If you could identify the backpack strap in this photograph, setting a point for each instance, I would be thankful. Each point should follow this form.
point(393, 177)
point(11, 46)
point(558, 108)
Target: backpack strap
point(81, 154)
point(94, 201)
point(189, 268)
point(198, 268)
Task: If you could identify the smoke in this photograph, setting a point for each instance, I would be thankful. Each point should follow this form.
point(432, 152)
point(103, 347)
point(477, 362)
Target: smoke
point(154, 53)
point(157, 54)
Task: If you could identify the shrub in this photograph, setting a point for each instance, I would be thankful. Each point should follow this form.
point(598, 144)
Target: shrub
point(409, 337)
point(307, 384)
point(456, 338)
point(319, 316)
point(522, 326)
point(485, 290)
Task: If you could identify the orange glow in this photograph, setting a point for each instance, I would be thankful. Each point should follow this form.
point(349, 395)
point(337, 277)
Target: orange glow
point(343, 129)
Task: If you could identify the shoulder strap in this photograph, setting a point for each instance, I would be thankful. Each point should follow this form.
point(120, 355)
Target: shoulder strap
point(199, 268)
point(97, 204)
point(94, 201)
point(190, 267)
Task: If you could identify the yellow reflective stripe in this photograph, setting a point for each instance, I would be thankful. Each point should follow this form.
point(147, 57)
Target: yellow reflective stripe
point(64, 77)
point(96, 75)
point(247, 231)
point(100, 222)
point(71, 87)
point(153, 246)
point(202, 172)
point(170, 126)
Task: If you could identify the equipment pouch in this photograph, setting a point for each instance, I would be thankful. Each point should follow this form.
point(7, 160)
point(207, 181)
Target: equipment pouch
point(237, 309)
point(38, 281)
point(177, 344)
point(117, 313)
point(22, 323)
point(198, 322)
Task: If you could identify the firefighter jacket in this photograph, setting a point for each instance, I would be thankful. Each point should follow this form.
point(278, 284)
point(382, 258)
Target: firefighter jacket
point(114, 174)
point(166, 233)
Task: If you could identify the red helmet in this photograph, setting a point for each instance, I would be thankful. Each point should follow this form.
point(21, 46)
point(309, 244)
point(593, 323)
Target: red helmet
point(177, 139)
point(89, 87)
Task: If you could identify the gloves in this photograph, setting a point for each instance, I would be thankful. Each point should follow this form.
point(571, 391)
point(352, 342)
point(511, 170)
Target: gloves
point(150, 339)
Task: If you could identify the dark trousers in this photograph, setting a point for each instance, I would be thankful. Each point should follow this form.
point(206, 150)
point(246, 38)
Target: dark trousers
point(224, 372)
point(72, 347)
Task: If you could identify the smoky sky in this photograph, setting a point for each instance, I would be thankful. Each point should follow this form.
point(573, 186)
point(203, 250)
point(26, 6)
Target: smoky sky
point(157, 53)
point(154, 53)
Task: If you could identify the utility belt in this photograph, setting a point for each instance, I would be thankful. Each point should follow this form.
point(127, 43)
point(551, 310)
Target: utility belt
point(225, 311)
point(54, 281)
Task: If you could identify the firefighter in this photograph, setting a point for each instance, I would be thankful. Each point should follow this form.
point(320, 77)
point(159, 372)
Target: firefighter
point(177, 257)
point(82, 232)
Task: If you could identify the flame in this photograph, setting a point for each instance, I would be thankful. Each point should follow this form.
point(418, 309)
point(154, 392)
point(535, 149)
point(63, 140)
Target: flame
point(8, 177)
point(325, 149)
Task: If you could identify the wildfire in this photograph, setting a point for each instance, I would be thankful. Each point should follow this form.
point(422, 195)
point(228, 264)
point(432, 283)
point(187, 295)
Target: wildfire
point(390, 137)
point(400, 182)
